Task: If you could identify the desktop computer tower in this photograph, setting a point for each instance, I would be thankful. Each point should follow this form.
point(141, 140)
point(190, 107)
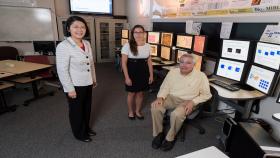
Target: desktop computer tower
point(228, 127)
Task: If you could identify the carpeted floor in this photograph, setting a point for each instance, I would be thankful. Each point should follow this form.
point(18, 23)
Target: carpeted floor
point(42, 129)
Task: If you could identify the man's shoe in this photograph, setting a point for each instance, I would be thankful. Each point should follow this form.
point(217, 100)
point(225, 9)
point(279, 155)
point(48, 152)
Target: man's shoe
point(91, 133)
point(167, 145)
point(157, 141)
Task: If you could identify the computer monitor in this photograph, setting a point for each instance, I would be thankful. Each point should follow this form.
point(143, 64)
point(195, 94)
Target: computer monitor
point(235, 49)
point(230, 69)
point(125, 33)
point(212, 31)
point(153, 50)
point(184, 41)
point(165, 53)
point(124, 41)
point(261, 79)
point(166, 39)
point(197, 58)
point(199, 44)
point(153, 37)
point(268, 54)
point(44, 47)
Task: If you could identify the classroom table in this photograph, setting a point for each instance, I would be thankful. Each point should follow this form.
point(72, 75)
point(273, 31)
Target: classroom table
point(20, 68)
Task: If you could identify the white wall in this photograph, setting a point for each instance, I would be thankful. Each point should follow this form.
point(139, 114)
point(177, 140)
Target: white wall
point(28, 46)
point(134, 16)
point(268, 106)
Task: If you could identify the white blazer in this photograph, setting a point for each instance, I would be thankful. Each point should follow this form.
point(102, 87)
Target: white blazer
point(75, 67)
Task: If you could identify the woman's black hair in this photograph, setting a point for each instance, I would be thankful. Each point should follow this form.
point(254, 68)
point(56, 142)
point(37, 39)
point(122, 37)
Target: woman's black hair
point(132, 42)
point(70, 21)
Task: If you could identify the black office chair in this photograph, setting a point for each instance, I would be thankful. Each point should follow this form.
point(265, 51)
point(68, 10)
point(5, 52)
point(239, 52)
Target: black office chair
point(8, 53)
point(195, 115)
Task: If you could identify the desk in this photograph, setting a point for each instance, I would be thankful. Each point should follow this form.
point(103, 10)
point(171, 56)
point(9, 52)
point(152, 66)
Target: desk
point(4, 107)
point(250, 140)
point(231, 98)
point(210, 152)
point(18, 68)
point(164, 63)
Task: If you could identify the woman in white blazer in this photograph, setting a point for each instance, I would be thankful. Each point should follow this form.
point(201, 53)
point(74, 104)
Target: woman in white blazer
point(76, 72)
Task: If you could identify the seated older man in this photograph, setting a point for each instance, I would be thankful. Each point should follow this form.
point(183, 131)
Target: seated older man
point(182, 89)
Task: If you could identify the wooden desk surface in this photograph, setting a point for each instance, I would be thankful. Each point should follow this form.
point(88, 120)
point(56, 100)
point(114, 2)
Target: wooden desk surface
point(164, 63)
point(238, 95)
point(20, 67)
point(5, 74)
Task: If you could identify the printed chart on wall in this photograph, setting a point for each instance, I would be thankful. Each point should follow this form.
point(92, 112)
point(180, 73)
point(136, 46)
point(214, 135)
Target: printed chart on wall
point(183, 8)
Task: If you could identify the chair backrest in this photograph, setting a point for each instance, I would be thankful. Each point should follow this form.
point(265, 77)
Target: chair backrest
point(8, 53)
point(40, 59)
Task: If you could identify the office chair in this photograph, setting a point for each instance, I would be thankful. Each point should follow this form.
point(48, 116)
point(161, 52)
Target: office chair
point(8, 53)
point(48, 75)
point(194, 116)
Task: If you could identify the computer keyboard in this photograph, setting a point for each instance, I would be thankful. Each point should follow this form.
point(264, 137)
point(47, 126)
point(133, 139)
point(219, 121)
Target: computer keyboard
point(225, 85)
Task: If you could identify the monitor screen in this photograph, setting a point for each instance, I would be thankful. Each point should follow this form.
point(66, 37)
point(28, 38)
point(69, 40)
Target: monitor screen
point(268, 55)
point(124, 41)
point(167, 39)
point(199, 44)
point(153, 37)
point(125, 33)
point(184, 41)
point(197, 58)
point(165, 53)
point(44, 47)
point(260, 78)
point(92, 6)
point(153, 50)
point(230, 69)
point(234, 49)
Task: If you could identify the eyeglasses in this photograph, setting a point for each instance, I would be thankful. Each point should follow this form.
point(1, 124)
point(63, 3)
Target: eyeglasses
point(184, 63)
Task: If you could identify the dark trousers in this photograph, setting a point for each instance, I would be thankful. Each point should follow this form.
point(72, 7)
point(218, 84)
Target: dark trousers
point(79, 111)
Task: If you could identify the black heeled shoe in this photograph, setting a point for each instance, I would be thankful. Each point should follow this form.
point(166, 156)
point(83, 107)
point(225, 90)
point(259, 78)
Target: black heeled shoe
point(131, 117)
point(87, 140)
point(91, 133)
point(140, 117)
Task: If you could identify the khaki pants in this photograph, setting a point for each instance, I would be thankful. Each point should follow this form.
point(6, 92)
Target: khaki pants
point(177, 116)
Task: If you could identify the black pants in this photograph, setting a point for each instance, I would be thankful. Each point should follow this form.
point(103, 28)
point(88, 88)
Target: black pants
point(79, 111)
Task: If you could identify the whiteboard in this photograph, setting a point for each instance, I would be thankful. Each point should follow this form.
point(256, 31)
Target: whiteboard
point(25, 24)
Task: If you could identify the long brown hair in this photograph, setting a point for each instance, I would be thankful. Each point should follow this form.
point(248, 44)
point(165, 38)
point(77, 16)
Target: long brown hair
point(132, 42)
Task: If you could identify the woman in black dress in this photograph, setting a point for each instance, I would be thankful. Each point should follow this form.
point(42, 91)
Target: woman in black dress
point(137, 69)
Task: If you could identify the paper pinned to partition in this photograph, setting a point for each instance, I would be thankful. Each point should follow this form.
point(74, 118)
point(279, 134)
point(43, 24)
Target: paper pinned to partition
point(226, 30)
point(189, 24)
point(271, 34)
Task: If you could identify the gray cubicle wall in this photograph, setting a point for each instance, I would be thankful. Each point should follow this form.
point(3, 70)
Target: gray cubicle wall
point(26, 24)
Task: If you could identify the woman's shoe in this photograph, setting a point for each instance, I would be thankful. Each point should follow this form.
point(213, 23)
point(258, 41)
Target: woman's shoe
point(87, 140)
point(131, 117)
point(91, 133)
point(140, 117)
